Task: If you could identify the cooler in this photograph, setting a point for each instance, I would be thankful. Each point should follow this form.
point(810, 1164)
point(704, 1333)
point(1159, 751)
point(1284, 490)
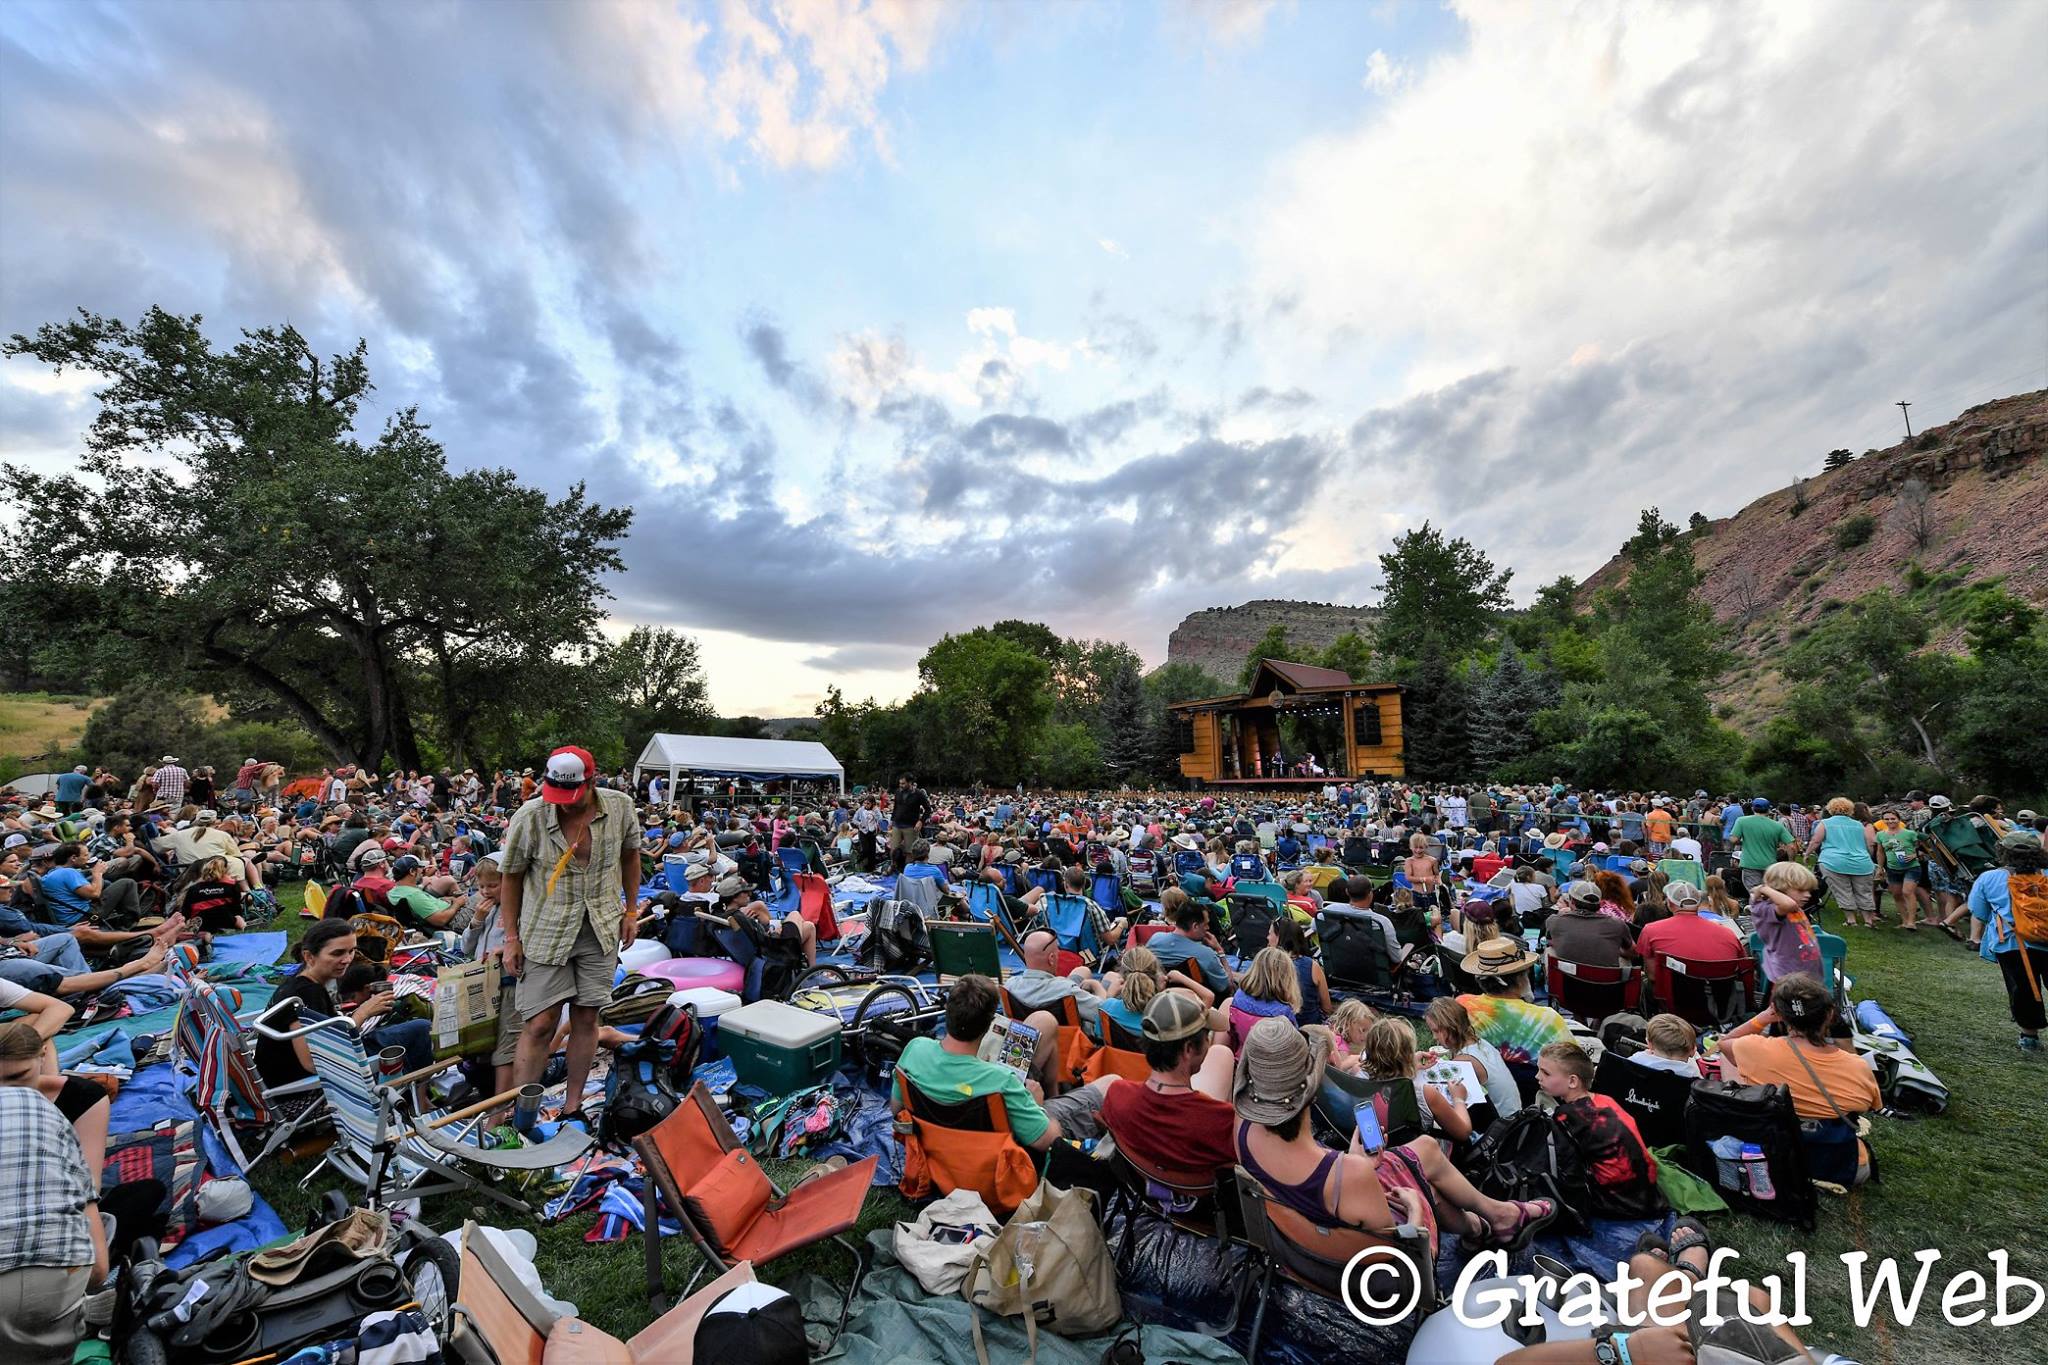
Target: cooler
point(779, 1047)
point(712, 1005)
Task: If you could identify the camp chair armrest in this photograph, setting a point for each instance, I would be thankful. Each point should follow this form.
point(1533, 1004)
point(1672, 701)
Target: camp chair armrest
point(269, 1030)
point(411, 1077)
point(722, 921)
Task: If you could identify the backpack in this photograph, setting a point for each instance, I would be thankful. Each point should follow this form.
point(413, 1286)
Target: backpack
point(2028, 892)
point(1188, 863)
point(1721, 1118)
point(1527, 1155)
point(677, 1025)
point(637, 1092)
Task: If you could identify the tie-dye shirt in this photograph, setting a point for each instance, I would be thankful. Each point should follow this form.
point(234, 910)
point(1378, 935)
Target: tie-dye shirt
point(1519, 1028)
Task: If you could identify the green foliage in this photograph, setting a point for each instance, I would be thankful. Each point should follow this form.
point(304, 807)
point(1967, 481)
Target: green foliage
point(1854, 531)
point(258, 549)
point(1869, 659)
point(1697, 523)
point(657, 679)
point(1035, 637)
point(1439, 591)
point(1506, 701)
point(139, 726)
point(1350, 655)
point(1274, 644)
point(1066, 756)
point(1123, 729)
point(1436, 718)
point(1838, 459)
point(985, 701)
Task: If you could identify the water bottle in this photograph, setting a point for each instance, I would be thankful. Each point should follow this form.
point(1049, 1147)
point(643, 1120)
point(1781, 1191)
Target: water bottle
point(1758, 1172)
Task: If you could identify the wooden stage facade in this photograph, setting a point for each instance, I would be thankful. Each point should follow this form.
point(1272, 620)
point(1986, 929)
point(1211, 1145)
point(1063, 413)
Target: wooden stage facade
point(1235, 741)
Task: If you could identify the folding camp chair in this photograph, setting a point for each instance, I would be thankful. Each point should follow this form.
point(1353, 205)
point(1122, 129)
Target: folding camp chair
point(1591, 993)
point(1118, 1052)
point(963, 949)
point(1043, 878)
point(1653, 1097)
point(1075, 1046)
point(1108, 892)
point(1271, 891)
point(792, 859)
point(1315, 1256)
point(985, 902)
point(1193, 1206)
point(1355, 956)
point(961, 1144)
point(516, 1328)
point(1834, 952)
point(1688, 986)
point(383, 1146)
point(1251, 921)
point(231, 1093)
point(814, 903)
point(1072, 922)
point(728, 1206)
point(1683, 870)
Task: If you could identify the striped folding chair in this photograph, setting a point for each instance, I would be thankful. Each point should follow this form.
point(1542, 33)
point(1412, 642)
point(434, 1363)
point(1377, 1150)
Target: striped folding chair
point(395, 1154)
point(231, 1093)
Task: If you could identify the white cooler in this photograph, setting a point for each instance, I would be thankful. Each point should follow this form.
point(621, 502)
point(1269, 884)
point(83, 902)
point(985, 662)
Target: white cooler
point(710, 1002)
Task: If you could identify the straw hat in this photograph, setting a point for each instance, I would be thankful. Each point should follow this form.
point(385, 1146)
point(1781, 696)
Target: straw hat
point(1554, 840)
point(1498, 957)
point(1279, 1070)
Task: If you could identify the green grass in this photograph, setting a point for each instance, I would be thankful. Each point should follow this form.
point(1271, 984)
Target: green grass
point(1966, 1182)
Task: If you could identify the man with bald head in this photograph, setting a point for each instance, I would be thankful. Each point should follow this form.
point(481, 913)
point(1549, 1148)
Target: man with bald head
point(1041, 987)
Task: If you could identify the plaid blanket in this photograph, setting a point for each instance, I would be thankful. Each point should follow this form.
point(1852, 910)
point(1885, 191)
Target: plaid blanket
point(170, 1153)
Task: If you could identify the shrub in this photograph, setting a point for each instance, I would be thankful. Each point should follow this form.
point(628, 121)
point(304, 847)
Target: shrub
point(1854, 531)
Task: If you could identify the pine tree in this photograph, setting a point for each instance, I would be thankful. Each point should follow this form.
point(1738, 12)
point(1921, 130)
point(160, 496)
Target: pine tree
point(1126, 739)
point(1436, 719)
point(1504, 701)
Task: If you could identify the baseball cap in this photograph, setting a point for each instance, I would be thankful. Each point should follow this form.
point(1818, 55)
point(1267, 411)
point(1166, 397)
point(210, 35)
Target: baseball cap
point(1682, 893)
point(1582, 893)
point(569, 768)
point(15, 840)
point(1939, 802)
point(376, 857)
point(393, 844)
point(405, 866)
point(731, 886)
point(676, 840)
point(2027, 817)
point(206, 817)
point(1760, 803)
point(1174, 1015)
point(755, 1322)
point(2019, 841)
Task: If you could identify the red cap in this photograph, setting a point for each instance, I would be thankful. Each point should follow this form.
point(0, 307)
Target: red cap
point(568, 772)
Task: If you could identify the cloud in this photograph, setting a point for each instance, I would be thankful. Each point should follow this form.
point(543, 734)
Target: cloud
point(768, 346)
point(1227, 23)
point(1707, 242)
point(1112, 247)
point(1287, 400)
point(1383, 73)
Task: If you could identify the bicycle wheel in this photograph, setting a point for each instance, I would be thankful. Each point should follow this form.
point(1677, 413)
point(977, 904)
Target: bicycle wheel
point(433, 1268)
point(881, 1035)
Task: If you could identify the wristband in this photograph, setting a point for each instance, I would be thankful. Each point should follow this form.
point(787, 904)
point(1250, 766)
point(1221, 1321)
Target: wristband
point(1620, 1340)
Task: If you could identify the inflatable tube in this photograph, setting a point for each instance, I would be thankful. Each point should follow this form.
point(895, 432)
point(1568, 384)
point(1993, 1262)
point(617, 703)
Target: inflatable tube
point(1446, 1339)
point(690, 973)
point(642, 954)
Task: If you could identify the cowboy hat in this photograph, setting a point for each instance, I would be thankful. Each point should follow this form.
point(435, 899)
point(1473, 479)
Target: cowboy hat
point(1187, 841)
point(1498, 957)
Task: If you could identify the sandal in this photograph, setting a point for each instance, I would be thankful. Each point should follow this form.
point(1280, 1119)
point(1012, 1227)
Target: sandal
point(1689, 1233)
point(1527, 1224)
point(1950, 930)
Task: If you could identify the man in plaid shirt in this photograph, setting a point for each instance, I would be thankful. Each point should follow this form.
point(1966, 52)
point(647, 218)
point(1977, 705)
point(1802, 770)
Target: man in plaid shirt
point(171, 782)
point(570, 898)
point(51, 1247)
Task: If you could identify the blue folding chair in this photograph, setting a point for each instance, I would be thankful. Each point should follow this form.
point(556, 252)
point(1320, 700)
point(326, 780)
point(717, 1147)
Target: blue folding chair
point(1068, 918)
point(1045, 879)
point(1108, 893)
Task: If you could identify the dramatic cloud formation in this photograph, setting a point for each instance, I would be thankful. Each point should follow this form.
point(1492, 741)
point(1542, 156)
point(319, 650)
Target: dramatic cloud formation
point(890, 318)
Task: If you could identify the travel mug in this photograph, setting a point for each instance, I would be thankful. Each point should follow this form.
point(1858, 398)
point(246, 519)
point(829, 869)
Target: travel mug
point(526, 1109)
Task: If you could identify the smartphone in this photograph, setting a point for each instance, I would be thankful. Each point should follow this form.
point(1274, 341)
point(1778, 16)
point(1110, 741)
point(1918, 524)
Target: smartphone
point(1369, 1135)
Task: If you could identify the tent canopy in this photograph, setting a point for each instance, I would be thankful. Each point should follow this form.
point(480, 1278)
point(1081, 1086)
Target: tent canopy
point(755, 760)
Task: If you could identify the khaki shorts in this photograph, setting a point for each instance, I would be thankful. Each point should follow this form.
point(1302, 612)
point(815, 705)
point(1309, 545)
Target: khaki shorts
point(510, 1024)
point(585, 979)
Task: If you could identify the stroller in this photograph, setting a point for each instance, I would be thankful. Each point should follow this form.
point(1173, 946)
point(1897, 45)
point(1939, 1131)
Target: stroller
point(352, 1278)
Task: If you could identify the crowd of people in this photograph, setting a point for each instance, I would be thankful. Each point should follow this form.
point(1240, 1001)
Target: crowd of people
point(1470, 890)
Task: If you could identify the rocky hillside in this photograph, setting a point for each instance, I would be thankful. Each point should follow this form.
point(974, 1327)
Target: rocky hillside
point(1219, 638)
point(1970, 497)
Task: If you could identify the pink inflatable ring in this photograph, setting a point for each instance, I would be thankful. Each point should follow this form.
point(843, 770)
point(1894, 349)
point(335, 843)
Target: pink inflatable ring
point(689, 973)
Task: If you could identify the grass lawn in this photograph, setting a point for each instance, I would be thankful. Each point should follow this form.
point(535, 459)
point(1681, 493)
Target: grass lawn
point(1966, 1183)
point(37, 725)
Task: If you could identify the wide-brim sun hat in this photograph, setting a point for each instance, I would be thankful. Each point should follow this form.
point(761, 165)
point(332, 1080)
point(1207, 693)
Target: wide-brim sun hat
point(1553, 841)
point(1279, 1070)
point(1498, 957)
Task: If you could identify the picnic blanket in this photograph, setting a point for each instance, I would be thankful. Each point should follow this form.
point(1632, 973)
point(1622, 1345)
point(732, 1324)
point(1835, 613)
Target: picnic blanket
point(894, 1319)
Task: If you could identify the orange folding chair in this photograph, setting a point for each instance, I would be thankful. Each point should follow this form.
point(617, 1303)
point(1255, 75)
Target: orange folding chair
point(727, 1204)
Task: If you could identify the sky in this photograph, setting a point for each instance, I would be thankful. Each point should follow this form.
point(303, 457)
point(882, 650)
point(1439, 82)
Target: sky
point(891, 319)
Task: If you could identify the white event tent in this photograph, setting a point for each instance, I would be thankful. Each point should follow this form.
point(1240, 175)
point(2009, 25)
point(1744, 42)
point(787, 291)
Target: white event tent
point(753, 760)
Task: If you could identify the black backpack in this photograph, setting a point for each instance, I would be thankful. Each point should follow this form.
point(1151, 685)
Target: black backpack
point(1529, 1156)
point(1760, 1115)
point(638, 1094)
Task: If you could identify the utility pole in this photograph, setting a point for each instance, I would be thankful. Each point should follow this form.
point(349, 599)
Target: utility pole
point(1902, 406)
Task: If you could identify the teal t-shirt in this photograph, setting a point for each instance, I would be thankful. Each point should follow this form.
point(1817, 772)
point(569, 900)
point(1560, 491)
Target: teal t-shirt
point(1760, 837)
point(950, 1077)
